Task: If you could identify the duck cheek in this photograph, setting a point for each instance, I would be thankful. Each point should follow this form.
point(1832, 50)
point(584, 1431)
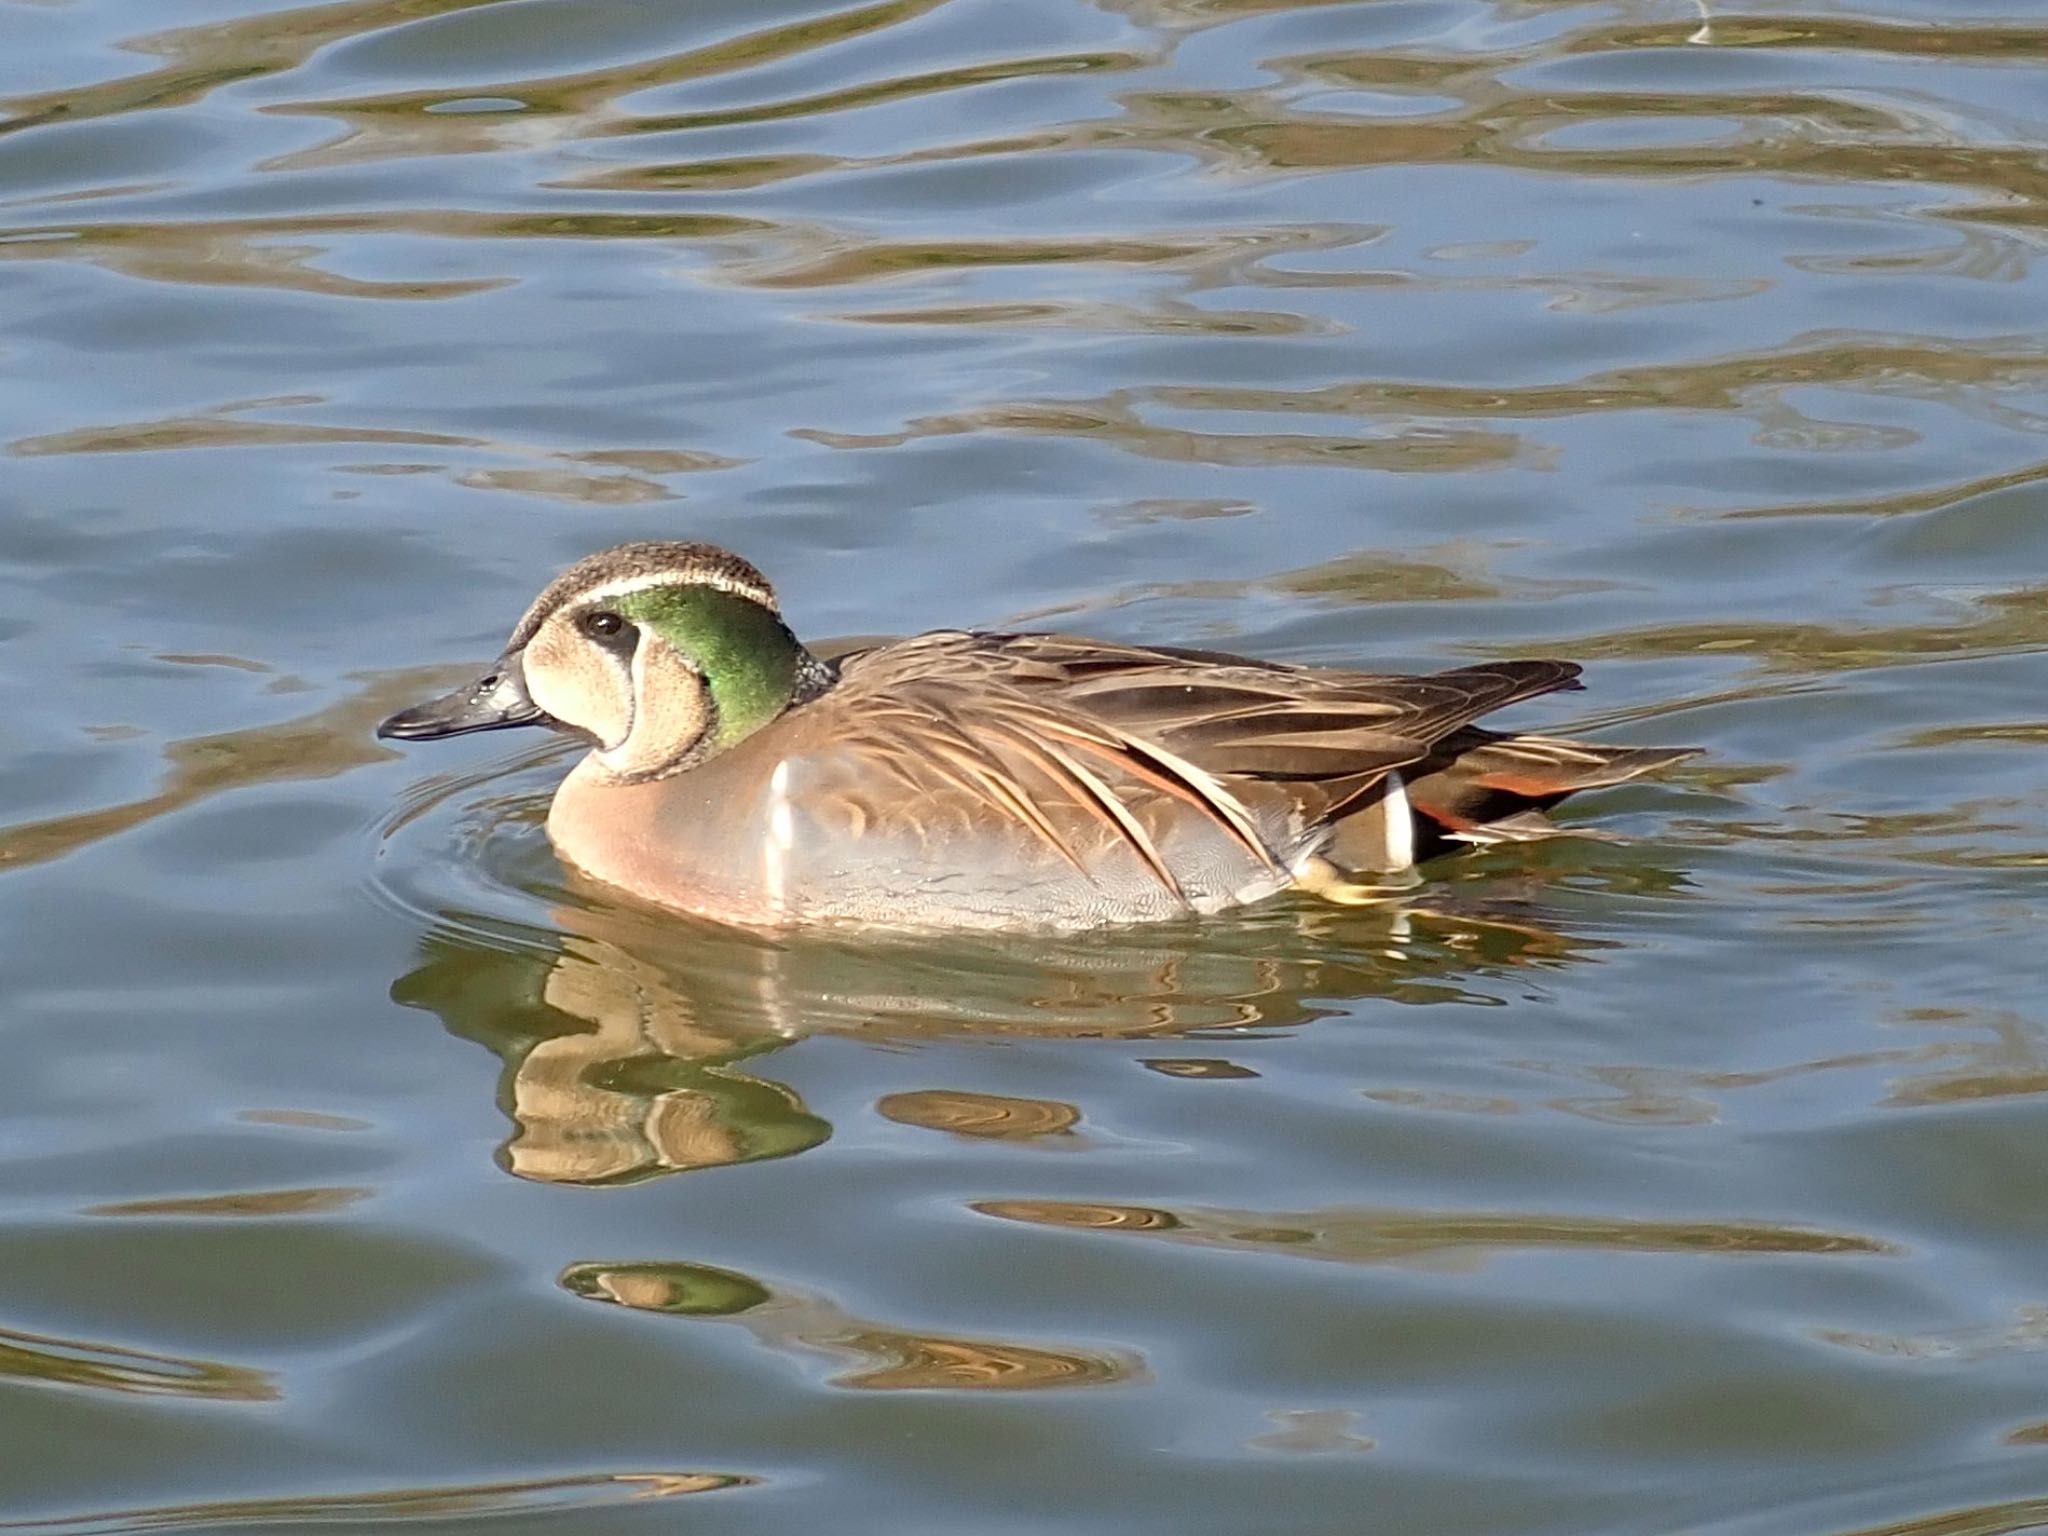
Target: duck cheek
point(581, 687)
point(671, 715)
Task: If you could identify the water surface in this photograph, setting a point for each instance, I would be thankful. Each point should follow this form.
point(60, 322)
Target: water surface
point(360, 1169)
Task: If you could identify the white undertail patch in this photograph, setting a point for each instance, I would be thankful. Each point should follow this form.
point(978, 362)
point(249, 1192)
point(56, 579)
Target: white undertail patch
point(1397, 823)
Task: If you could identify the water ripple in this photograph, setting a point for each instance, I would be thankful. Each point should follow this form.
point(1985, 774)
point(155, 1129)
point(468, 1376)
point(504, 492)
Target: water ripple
point(556, 1495)
point(36, 1357)
point(1688, 1180)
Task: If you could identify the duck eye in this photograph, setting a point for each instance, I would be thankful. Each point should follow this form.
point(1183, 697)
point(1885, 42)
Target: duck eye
point(602, 625)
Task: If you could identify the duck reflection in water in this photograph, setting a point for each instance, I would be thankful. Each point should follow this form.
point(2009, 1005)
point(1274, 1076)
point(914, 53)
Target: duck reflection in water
point(626, 1035)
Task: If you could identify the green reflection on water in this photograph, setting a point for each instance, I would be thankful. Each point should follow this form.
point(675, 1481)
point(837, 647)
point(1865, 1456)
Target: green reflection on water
point(610, 1075)
point(625, 1038)
point(884, 1358)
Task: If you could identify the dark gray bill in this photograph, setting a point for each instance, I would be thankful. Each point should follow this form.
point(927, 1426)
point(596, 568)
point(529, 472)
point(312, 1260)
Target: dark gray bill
point(494, 702)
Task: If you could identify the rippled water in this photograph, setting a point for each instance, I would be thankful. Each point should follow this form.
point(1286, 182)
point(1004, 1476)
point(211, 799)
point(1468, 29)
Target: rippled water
point(358, 1169)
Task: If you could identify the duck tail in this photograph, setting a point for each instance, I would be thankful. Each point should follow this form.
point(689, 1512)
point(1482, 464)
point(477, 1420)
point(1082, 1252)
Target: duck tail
point(1482, 787)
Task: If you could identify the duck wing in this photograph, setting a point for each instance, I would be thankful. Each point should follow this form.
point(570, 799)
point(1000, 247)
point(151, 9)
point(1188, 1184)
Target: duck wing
point(1034, 725)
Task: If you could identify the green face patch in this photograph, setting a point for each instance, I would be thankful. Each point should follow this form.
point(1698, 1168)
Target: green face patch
point(749, 659)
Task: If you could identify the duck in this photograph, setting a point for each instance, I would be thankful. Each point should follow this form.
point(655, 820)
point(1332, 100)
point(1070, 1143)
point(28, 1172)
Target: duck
point(989, 779)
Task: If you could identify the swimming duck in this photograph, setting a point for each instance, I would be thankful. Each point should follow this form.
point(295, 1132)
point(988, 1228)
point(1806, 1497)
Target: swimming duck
point(974, 779)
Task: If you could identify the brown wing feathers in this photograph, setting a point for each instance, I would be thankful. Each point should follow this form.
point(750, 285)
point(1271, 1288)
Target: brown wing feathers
point(1009, 718)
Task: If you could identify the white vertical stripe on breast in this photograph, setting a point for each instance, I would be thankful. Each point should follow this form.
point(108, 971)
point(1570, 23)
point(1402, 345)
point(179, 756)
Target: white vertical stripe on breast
point(775, 846)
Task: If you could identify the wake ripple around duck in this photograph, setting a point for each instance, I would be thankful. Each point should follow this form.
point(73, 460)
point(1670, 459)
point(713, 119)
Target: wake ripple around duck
point(463, 853)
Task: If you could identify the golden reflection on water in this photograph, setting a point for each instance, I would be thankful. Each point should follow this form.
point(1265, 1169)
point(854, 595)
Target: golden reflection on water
point(242, 1203)
point(1166, 317)
point(558, 1495)
point(1438, 1238)
point(1429, 426)
point(575, 104)
point(226, 426)
point(880, 1357)
point(2008, 1059)
point(201, 59)
point(986, 1116)
point(330, 741)
point(603, 477)
point(2006, 1518)
point(279, 253)
point(1446, 573)
point(1197, 1066)
point(1417, 448)
point(37, 1357)
point(1990, 624)
point(1904, 365)
point(1897, 504)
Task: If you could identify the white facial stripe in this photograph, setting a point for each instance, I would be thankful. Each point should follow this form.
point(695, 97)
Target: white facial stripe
point(718, 581)
point(631, 677)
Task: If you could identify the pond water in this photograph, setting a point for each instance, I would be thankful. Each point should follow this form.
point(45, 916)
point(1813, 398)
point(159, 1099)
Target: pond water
point(360, 1169)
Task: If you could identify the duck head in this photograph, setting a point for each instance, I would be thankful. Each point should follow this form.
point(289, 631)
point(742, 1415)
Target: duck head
point(661, 654)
